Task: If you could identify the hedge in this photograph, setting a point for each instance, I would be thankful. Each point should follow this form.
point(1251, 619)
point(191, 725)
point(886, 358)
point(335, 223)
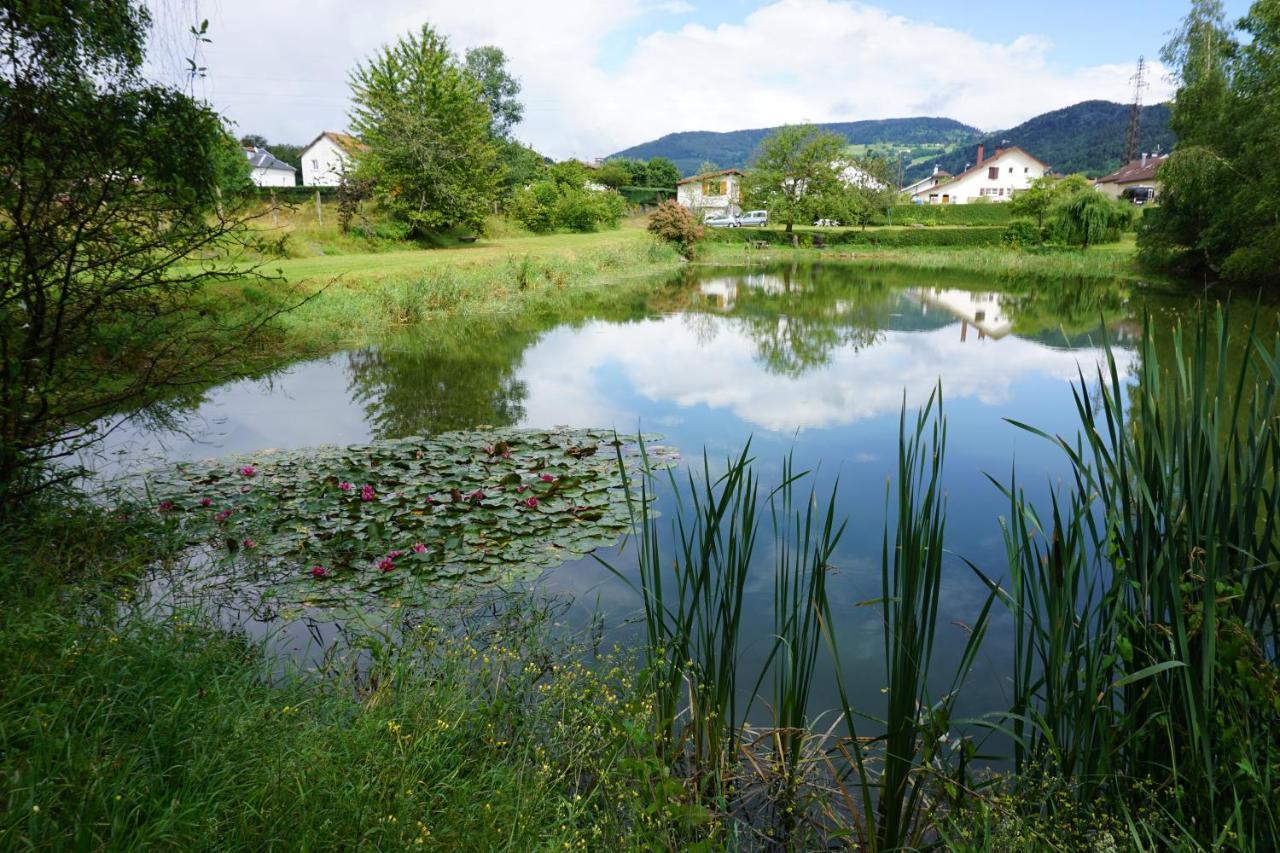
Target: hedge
point(979, 236)
point(994, 213)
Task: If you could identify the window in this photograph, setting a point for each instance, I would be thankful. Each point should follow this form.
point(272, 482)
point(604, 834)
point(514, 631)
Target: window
point(713, 187)
point(1010, 170)
point(315, 164)
point(993, 172)
point(1025, 170)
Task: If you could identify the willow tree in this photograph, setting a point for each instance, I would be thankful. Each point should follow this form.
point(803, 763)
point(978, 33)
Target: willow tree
point(426, 124)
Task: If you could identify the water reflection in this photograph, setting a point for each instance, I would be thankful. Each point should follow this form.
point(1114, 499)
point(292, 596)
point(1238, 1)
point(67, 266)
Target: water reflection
point(809, 359)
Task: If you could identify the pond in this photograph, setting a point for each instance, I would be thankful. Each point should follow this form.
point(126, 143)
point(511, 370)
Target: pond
point(813, 360)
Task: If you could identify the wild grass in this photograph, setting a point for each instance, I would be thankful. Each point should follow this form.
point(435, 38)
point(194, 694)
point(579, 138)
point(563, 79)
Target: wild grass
point(1110, 261)
point(1145, 600)
point(124, 730)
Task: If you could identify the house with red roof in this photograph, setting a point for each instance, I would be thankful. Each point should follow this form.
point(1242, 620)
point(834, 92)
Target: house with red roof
point(997, 178)
point(712, 194)
point(1135, 179)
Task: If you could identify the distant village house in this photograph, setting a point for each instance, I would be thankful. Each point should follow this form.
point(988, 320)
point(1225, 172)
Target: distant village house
point(327, 157)
point(266, 171)
point(1135, 180)
point(712, 194)
point(928, 182)
point(998, 178)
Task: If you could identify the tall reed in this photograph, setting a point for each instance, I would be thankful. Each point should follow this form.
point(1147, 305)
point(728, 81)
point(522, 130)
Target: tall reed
point(1146, 610)
point(892, 772)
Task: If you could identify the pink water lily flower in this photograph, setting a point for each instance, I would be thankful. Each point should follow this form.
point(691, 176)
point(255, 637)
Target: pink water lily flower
point(366, 493)
point(248, 544)
point(319, 572)
point(345, 486)
point(419, 548)
point(531, 502)
point(547, 478)
point(224, 515)
point(206, 502)
point(391, 555)
point(386, 564)
point(165, 506)
point(476, 496)
point(248, 471)
point(520, 489)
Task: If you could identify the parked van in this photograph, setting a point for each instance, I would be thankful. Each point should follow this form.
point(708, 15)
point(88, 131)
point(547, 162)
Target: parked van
point(754, 217)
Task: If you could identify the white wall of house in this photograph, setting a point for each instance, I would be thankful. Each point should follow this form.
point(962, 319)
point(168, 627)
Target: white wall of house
point(704, 195)
point(997, 178)
point(323, 163)
point(272, 177)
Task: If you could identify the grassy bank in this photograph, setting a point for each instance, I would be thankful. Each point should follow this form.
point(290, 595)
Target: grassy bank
point(1108, 261)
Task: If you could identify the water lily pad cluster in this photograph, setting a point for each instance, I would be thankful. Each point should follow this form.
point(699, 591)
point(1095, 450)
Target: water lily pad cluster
point(481, 505)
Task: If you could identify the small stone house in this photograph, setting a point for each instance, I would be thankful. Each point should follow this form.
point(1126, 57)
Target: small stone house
point(327, 157)
point(712, 194)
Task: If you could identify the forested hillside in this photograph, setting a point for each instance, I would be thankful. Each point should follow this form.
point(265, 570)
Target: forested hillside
point(690, 149)
point(1086, 137)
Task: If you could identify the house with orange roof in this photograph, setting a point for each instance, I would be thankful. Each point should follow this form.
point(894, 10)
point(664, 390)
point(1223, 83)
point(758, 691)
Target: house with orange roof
point(997, 178)
point(327, 158)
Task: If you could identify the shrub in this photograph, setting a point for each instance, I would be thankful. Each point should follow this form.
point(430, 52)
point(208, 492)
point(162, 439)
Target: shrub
point(1022, 233)
point(945, 214)
point(547, 205)
point(1088, 217)
point(974, 237)
point(674, 224)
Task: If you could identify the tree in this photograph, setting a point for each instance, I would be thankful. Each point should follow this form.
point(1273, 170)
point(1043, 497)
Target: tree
point(1043, 192)
point(796, 165)
point(521, 165)
point(253, 140)
point(661, 172)
point(430, 154)
point(616, 173)
point(1218, 187)
point(487, 65)
point(1087, 217)
point(117, 192)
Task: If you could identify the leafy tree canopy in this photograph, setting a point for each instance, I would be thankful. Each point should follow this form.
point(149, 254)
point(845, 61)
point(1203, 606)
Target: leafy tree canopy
point(424, 118)
point(487, 65)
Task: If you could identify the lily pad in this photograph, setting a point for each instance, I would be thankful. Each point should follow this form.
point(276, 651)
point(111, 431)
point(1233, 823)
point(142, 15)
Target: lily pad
point(403, 517)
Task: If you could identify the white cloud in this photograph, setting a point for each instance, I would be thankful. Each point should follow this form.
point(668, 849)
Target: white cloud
point(570, 374)
point(280, 68)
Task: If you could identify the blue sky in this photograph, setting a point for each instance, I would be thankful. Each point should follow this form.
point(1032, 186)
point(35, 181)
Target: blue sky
point(601, 75)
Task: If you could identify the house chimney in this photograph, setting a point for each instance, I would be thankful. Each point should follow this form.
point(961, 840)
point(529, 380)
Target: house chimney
point(1144, 158)
point(935, 168)
point(979, 155)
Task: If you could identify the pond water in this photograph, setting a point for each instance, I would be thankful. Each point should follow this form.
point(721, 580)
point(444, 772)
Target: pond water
point(812, 360)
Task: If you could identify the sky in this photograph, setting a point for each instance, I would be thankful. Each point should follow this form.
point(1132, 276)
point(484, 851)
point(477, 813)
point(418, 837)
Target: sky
point(602, 75)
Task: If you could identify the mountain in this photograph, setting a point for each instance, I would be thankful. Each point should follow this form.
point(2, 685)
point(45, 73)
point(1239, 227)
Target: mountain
point(1087, 137)
point(691, 149)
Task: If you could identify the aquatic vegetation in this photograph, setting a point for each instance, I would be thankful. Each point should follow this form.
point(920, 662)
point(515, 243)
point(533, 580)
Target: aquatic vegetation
point(429, 510)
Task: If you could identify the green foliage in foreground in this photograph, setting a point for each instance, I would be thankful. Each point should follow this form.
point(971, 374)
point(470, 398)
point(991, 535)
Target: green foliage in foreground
point(560, 200)
point(126, 731)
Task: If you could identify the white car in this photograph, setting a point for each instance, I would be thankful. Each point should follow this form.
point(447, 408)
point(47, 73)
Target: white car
point(727, 220)
point(754, 218)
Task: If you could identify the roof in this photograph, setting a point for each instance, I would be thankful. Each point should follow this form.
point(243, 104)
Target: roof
point(1134, 170)
point(693, 178)
point(933, 176)
point(261, 158)
point(345, 141)
point(1000, 152)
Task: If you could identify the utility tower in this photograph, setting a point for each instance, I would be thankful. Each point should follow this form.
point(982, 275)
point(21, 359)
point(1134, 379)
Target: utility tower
point(1139, 80)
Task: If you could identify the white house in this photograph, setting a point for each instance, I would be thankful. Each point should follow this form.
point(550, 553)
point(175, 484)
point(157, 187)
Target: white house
point(327, 157)
point(997, 178)
point(982, 311)
point(713, 194)
point(928, 182)
point(266, 171)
